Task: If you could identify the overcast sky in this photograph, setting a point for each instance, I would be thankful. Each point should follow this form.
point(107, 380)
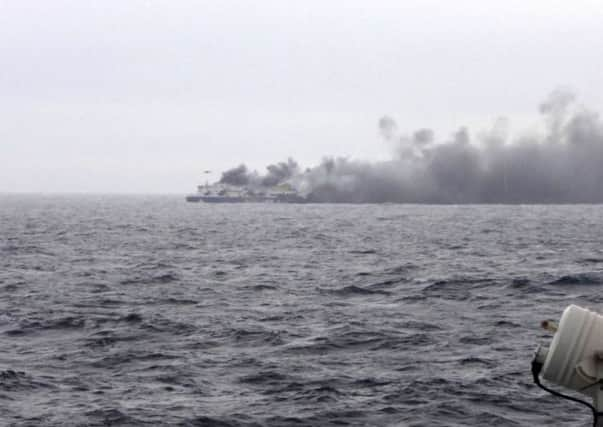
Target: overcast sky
point(141, 96)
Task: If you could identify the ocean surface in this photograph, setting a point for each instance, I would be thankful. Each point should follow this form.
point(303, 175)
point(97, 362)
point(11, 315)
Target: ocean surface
point(136, 311)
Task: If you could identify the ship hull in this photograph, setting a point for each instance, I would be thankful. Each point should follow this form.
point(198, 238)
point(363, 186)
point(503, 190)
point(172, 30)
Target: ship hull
point(221, 199)
point(215, 199)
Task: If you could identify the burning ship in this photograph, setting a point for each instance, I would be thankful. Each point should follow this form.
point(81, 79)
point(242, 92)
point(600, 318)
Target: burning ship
point(226, 193)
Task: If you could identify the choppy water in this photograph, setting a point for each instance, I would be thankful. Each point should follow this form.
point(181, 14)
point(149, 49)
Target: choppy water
point(151, 311)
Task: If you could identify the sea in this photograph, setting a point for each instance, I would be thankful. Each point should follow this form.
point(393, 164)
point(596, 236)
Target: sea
point(150, 311)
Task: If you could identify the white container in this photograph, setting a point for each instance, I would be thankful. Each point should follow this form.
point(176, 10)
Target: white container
point(575, 357)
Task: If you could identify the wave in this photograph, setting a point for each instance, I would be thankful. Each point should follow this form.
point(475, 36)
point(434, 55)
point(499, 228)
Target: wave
point(265, 378)
point(130, 357)
point(32, 326)
point(257, 337)
point(363, 251)
point(579, 279)
point(207, 421)
point(145, 280)
point(353, 290)
point(110, 417)
point(11, 381)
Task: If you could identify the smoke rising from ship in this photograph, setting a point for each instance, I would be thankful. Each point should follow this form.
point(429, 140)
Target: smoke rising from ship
point(277, 174)
point(565, 165)
point(280, 172)
point(238, 176)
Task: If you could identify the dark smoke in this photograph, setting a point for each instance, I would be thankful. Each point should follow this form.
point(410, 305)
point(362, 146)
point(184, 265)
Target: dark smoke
point(238, 176)
point(565, 165)
point(280, 172)
point(423, 137)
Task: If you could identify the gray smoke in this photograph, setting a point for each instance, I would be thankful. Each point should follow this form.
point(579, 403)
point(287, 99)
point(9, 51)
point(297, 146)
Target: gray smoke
point(238, 176)
point(280, 172)
point(423, 137)
point(388, 127)
point(565, 165)
point(277, 173)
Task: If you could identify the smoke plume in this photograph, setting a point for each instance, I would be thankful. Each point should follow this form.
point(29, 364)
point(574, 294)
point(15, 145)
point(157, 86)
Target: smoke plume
point(280, 172)
point(565, 165)
point(238, 176)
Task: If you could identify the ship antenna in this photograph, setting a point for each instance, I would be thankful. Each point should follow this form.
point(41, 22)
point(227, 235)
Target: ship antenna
point(206, 181)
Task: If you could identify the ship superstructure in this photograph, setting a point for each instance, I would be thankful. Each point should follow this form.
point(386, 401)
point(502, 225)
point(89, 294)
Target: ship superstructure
point(225, 193)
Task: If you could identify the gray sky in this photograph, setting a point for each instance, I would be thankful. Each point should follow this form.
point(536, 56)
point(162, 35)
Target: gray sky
point(141, 96)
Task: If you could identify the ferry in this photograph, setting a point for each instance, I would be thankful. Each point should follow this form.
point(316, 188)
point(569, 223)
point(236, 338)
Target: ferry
point(224, 193)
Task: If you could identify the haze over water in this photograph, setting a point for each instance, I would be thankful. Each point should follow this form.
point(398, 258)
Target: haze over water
point(150, 311)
